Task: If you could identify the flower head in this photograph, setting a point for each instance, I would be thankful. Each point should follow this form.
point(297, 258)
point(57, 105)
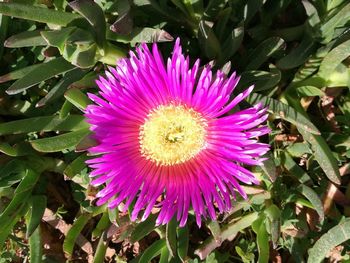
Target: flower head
point(166, 140)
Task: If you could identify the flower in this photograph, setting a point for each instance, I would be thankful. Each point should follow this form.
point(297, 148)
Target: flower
point(165, 139)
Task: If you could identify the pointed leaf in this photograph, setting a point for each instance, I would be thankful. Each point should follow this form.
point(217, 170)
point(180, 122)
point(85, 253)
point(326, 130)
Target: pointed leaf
point(323, 155)
point(333, 59)
point(26, 39)
point(41, 73)
point(60, 142)
point(74, 232)
point(284, 111)
point(35, 13)
point(94, 15)
point(170, 237)
point(334, 237)
point(312, 196)
point(38, 206)
point(263, 51)
point(43, 124)
point(298, 55)
point(77, 98)
point(17, 74)
point(183, 242)
point(152, 251)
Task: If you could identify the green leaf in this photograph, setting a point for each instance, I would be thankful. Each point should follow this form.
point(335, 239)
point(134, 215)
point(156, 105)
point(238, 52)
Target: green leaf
point(183, 238)
point(164, 255)
point(74, 232)
point(152, 251)
point(102, 225)
point(44, 124)
point(36, 247)
point(6, 229)
point(298, 55)
point(58, 90)
point(19, 149)
point(294, 168)
point(263, 51)
point(143, 228)
point(18, 204)
point(262, 239)
point(11, 173)
point(306, 91)
point(230, 230)
point(323, 155)
point(170, 237)
point(38, 205)
point(41, 73)
point(38, 14)
point(334, 58)
point(232, 43)
point(141, 35)
point(94, 15)
point(262, 80)
point(101, 249)
point(208, 42)
point(334, 237)
point(313, 198)
point(26, 39)
point(269, 167)
point(76, 166)
point(17, 74)
point(284, 111)
point(60, 142)
point(340, 18)
point(57, 38)
point(77, 98)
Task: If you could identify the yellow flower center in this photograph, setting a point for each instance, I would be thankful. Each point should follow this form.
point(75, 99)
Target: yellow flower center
point(172, 134)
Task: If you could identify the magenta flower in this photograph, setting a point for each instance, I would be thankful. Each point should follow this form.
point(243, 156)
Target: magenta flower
point(166, 140)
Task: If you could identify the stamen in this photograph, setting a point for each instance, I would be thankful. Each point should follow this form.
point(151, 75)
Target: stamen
point(172, 134)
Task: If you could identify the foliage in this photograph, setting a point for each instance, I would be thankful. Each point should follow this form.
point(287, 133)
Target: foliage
point(295, 52)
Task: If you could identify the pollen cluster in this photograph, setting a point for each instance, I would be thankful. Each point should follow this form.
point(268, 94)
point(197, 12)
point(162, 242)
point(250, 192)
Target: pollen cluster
point(172, 134)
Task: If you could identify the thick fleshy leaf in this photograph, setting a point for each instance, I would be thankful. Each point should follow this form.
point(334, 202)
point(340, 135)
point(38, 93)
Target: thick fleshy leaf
point(263, 51)
point(284, 111)
point(60, 142)
point(38, 14)
point(262, 239)
point(152, 251)
point(77, 98)
point(208, 42)
point(43, 124)
point(143, 228)
point(38, 205)
point(323, 155)
point(141, 35)
point(262, 80)
point(334, 58)
point(170, 237)
point(25, 39)
point(295, 170)
point(306, 91)
point(17, 74)
point(74, 232)
point(298, 55)
point(76, 166)
point(41, 73)
point(182, 242)
point(94, 15)
point(17, 207)
point(36, 247)
point(58, 90)
point(334, 237)
point(312, 196)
